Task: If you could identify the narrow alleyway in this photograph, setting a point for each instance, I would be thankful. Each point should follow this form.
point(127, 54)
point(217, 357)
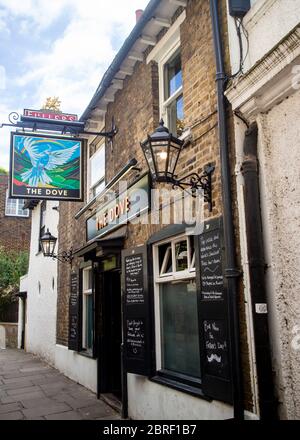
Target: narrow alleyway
point(32, 390)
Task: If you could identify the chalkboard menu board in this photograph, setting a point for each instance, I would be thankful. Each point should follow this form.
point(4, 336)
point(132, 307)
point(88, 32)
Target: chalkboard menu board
point(216, 348)
point(135, 310)
point(213, 312)
point(135, 337)
point(74, 313)
point(211, 265)
point(134, 279)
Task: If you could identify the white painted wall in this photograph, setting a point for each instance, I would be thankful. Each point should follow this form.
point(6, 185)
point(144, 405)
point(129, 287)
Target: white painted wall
point(151, 401)
point(279, 154)
point(23, 288)
point(40, 333)
point(267, 22)
point(265, 94)
point(77, 367)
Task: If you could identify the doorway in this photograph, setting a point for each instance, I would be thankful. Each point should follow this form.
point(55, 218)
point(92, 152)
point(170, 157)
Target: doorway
point(109, 364)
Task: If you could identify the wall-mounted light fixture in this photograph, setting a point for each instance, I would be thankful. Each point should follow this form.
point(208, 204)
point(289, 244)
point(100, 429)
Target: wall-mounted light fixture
point(162, 151)
point(48, 243)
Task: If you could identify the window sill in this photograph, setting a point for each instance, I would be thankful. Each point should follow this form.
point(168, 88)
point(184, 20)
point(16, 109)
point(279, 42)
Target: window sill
point(174, 384)
point(87, 354)
point(16, 216)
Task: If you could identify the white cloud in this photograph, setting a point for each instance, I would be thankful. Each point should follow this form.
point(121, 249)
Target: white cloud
point(3, 23)
point(41, 12)
point(78, 59)
point(74, 65)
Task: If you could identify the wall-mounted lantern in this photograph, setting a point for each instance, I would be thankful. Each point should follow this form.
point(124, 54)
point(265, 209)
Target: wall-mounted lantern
point(48, 243)
point(162, 151)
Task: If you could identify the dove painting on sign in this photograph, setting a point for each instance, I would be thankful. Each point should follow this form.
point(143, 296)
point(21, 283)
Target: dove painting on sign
point(45, 167)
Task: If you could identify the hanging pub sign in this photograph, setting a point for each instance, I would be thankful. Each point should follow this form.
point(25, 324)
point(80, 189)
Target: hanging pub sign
point(46, 167)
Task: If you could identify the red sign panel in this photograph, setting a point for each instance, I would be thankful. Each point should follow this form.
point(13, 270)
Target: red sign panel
point(46, 114)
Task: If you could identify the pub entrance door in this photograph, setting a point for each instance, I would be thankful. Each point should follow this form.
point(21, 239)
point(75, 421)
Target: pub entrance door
point(109, 373)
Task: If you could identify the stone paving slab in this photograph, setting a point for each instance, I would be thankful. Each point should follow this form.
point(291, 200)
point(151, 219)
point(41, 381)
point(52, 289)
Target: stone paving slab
point(30, 389)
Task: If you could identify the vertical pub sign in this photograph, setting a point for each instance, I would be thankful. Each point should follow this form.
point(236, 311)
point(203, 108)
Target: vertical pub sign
point(46, 167)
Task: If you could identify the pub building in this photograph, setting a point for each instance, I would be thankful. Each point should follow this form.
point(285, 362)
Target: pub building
point(150, 316)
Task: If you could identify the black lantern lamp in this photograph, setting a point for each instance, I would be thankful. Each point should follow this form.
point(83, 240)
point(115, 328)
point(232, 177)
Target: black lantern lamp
point(48, 243)
point(162, 151)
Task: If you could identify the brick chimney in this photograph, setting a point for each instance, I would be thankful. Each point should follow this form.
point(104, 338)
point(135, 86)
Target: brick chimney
point(138, 14)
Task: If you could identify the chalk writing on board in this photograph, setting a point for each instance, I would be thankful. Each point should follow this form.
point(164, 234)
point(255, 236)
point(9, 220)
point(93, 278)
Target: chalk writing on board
point(73, 313)
point(211, 266)
point(135, 337)
point(216, 347)
point(134, 279)
point(74, 292)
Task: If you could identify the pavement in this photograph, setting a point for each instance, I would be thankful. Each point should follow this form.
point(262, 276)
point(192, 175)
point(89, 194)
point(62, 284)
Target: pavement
point(30, 389)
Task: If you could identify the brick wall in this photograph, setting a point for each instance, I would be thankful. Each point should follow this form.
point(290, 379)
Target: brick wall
point(14, 231)
point(136, 113)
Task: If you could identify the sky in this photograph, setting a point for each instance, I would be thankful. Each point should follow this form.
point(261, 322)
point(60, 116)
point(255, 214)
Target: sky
point(57, 48)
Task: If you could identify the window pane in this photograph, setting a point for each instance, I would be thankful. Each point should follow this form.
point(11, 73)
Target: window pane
point(90, 279)
point(165, 258)
point(97, 189)
point(181, 255)
point(89, 321)
point(179, 328)
point(22, 212)
point(11, 206)
point(173, 76)
point(97, 162)
point(87, 279)
point(192, 252)
point(176, 116)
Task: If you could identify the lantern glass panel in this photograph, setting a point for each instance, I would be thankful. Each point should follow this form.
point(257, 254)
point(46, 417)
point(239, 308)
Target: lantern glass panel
point(173, 157)
point(149, 158)
point(48, 245)
point(160, 152)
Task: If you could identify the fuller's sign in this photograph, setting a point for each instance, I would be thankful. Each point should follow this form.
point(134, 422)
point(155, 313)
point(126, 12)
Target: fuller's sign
point(45, 167)
point(127, 205)
point(47, 114)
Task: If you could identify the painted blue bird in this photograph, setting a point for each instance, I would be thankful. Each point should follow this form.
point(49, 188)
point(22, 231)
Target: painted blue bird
point(43, 161)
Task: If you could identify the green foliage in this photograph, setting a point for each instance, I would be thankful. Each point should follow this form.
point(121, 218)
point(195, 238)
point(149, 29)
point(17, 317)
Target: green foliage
point(3, 171)
point(13, 265)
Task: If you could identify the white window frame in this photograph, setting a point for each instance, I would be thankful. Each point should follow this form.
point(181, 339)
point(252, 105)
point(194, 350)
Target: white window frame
point(102, 179)
point(164, 104)
point(18, 203)
point(162, 53)
point(160, 278)
point(86, 291)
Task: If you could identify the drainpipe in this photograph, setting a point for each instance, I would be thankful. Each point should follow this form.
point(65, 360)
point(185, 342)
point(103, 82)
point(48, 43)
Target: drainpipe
point(231, 272)
point(267, 403)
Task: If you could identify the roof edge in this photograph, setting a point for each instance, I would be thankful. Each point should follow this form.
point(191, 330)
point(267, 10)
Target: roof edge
point(120, 57)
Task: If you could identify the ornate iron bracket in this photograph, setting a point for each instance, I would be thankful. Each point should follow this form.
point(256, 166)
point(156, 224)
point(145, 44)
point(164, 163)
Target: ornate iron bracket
point(14, 119)
point(65, 256)
point(109, 134)
point(74, 129)
point(195, 182)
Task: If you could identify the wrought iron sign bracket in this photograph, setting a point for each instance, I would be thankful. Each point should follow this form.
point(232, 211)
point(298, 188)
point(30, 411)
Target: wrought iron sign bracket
point(64, 257)
point(75, 128)
point(195, 182)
